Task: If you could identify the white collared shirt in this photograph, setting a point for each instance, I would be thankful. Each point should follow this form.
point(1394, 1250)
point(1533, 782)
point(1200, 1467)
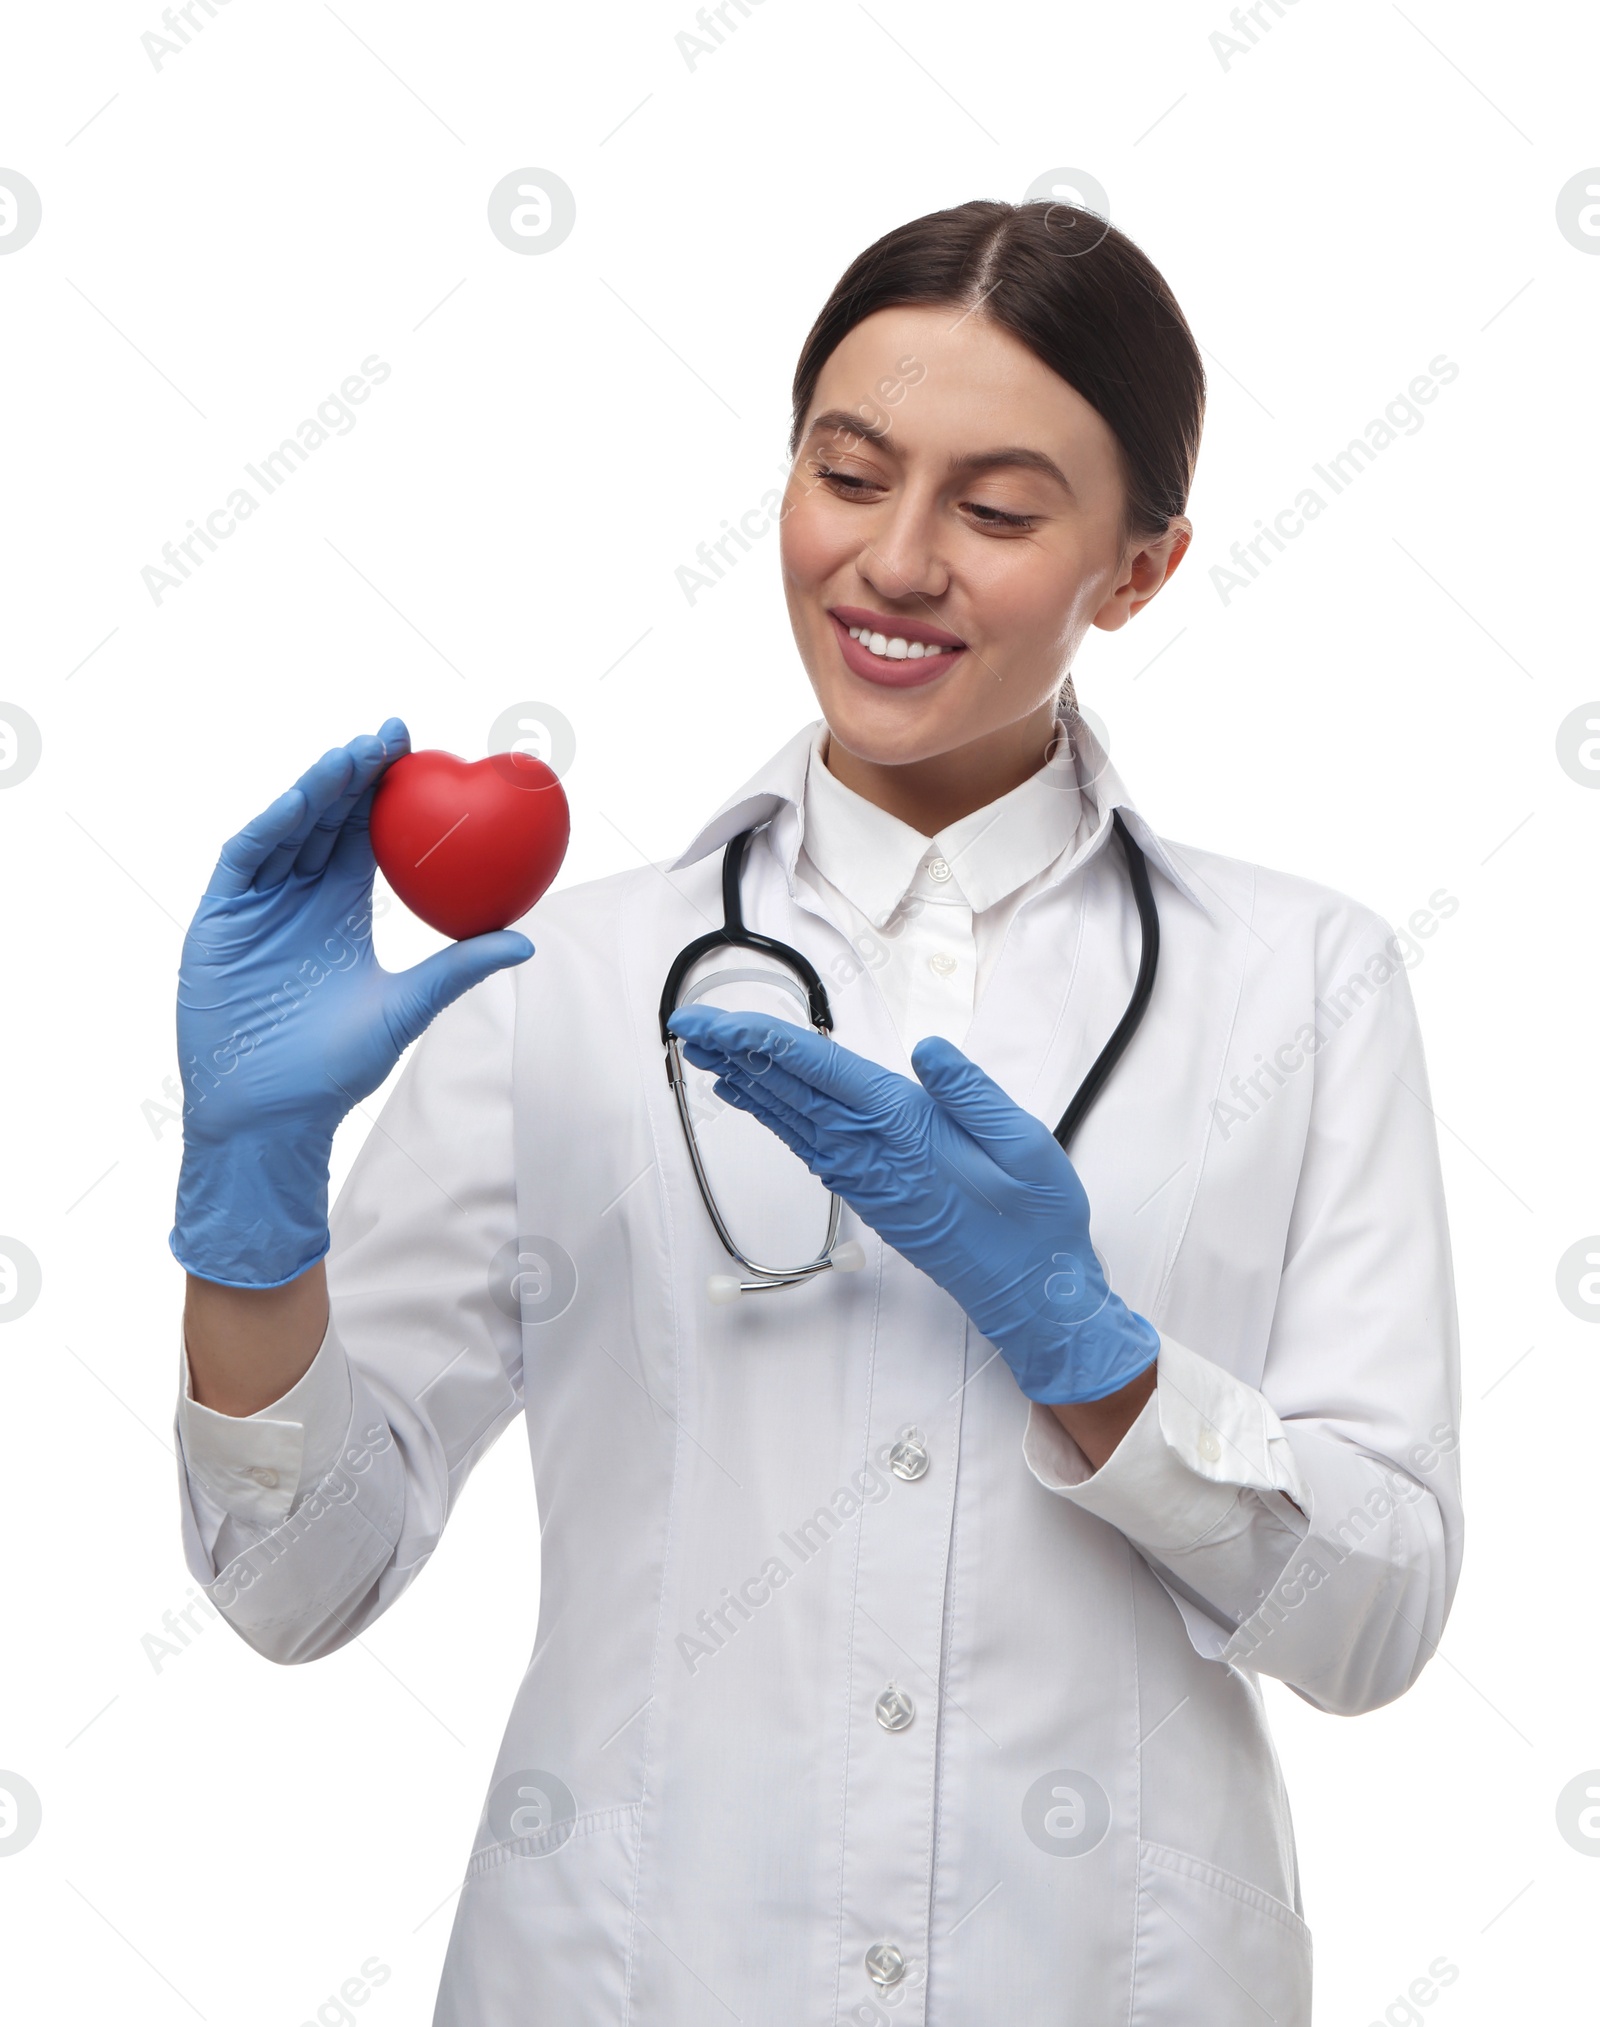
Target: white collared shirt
point(729, 1546)
point(928, 916)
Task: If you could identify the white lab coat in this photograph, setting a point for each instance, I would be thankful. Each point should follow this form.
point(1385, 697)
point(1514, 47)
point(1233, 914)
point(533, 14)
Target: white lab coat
point(698, 1812)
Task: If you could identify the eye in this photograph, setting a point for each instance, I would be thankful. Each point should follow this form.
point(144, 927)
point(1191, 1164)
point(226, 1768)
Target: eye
point(845, 484)
point(993, 517)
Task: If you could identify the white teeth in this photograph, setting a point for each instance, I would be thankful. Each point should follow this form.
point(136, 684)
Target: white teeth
point(895, 648)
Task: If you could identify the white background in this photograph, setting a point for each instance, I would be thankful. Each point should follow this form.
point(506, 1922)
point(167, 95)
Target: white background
point(223, 242)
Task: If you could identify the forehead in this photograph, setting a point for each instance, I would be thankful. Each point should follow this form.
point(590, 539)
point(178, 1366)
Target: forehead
point(947, 377)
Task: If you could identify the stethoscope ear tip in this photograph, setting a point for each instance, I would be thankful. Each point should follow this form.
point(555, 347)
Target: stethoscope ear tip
point(848, 1258)
point(723, 1288)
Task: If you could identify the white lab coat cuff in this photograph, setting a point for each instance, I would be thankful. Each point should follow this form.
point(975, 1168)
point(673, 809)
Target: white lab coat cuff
point(1173, 1482)
point(252, 1466)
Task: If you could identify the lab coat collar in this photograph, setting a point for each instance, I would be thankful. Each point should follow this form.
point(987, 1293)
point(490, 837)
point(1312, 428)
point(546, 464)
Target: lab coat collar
point(775, 793)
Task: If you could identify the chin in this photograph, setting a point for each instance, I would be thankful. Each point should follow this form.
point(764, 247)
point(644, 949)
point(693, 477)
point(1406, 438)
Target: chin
point(893, 727)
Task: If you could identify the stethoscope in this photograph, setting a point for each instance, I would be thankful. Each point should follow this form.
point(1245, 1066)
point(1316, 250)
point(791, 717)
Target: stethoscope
point(848, 1257)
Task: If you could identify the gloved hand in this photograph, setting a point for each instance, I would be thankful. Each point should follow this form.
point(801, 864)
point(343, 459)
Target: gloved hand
point(286, 1020)
point(969, 1187)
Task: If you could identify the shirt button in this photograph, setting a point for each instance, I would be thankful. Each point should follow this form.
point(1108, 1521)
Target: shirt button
point(938, 869)
point(885, 1965)
point(909, 1457)
point(1210, 1448)
point(941, 965)
point(894, 1710)
point(263, 1476)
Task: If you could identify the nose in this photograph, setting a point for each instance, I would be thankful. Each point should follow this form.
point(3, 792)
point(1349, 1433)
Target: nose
point(900, 559)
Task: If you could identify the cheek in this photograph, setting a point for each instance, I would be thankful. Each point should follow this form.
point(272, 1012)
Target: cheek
point(1021, 593)
point(813, 538)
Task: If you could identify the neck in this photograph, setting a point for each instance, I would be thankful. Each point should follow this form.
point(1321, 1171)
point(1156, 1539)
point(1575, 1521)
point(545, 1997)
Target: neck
point(932, 794)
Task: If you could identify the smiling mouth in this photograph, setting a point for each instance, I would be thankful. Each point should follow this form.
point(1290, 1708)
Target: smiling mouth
point(895, 640)
point(882, 648)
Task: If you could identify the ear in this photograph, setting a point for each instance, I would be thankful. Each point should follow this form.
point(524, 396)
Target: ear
point(1145, 568)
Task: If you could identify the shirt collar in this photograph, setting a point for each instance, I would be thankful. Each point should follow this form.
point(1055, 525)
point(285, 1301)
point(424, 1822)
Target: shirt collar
point(872, 857)
point(1071, 798)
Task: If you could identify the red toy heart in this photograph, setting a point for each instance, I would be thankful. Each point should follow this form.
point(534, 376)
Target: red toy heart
point(469, 845)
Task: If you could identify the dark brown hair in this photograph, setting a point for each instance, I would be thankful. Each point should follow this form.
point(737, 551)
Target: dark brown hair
point(1083, 299)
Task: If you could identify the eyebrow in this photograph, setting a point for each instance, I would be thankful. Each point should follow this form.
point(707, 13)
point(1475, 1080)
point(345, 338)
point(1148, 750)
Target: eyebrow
point(1012, 457)
point(851, 425)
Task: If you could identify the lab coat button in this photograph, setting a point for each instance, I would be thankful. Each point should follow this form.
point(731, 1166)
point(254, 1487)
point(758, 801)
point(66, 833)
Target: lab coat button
point(941, 965)
point(885, 1965)
point(894, 1710)
point(938, 869)
point(263, 1476)
point(909, 1457)
point(1210, 1448)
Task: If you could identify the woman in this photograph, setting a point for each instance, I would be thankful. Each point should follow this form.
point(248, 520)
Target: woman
point(901, 1628)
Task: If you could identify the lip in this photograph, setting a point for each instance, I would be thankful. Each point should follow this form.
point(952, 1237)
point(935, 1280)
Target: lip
point(893, 675)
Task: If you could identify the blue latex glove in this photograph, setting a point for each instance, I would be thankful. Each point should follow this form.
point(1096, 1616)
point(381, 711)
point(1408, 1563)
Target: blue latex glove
point(969, 1187)
point(286, 1020)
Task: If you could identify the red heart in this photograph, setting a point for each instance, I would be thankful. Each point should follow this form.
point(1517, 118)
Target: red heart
point(469, 845)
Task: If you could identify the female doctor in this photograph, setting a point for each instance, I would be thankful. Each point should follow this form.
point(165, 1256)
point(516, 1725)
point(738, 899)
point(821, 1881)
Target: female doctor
point(901, 1628)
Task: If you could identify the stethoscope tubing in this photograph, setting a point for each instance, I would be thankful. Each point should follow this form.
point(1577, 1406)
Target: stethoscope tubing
point(1144, 985)
point(735, 935)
